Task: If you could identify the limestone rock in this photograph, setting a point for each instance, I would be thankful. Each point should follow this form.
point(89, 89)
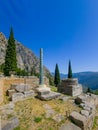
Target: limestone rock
point(78, 119)
point(22, 87)
point(90, 98)
point(13, 123)
point(17, 97)
point(26, 59)
point(49, 96)
point(29, 94)
point(70, 87)
point(70, 126)
point(64, 98)
point(85, 113)
point(10, 92)
point(58, 118)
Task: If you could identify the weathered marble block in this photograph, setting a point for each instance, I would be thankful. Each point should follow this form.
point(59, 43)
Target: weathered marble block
point(78, 119)
point(70, 87)
point(21, 87)
point(17, 97)
point(29, 94)
point(13, 123)
point(49, 96)
point(69, 126)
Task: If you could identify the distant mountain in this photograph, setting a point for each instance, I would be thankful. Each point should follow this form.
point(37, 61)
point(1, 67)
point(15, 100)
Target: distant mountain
point(26, 59)
point(87, 79)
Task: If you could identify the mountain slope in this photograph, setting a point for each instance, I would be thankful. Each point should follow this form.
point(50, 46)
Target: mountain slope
point(26, 59)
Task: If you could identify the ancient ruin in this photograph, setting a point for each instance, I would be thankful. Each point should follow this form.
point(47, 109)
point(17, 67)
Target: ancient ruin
point(43, 91)
point(70, 87)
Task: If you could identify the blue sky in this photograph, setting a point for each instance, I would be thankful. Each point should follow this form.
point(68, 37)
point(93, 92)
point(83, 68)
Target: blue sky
point(65, 29)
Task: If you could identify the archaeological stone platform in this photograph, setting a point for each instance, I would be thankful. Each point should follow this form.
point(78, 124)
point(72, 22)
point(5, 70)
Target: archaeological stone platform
point(70, 87)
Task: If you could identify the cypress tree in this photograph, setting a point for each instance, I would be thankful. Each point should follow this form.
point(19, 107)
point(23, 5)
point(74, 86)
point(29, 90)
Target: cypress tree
point(57, 76)
point(69, 70)
point(10, 58)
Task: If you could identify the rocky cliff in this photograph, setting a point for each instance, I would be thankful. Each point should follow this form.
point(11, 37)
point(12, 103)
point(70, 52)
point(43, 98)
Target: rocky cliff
point(26, 59)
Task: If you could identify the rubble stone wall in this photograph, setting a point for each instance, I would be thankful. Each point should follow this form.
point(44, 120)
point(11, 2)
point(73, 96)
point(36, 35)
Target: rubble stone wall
point(5, 83)
point(1, 90)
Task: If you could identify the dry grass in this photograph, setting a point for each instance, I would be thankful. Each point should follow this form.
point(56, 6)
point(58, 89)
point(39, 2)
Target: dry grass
point(95, 125)
point(33, 108)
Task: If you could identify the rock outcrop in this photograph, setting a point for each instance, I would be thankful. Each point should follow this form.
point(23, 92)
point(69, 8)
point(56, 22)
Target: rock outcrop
point(26, 59)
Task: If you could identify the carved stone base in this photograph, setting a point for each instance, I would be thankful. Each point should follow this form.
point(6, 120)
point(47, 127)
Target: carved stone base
point(42, 88)
point(44, 93)
point(70, 87)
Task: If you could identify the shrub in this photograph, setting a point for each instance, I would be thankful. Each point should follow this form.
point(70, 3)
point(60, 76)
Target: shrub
point(37, 119)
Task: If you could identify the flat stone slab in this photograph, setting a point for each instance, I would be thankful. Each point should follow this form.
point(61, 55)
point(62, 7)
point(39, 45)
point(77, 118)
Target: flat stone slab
point(46, 106)
point(70, 126)
point(58, 118)
point(13, 123)
point(51, 95)
point(50, 113)
point(64, 98)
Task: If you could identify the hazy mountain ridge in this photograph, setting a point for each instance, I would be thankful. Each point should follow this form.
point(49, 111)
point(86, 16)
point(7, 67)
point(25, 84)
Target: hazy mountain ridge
point(87, 79)
point(26, 59)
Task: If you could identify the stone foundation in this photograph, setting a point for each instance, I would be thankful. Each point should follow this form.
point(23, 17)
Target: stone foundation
point(6, 83)
point(1, 91)
point(44, 93)
point(70, 87)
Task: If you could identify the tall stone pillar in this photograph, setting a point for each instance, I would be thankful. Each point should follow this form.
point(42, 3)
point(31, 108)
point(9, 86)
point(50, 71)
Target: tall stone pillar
point(44, 92)
point(42, 87)
point(41, 80)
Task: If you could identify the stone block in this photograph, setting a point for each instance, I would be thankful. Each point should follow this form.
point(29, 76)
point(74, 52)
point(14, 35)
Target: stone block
point(51, 95)
point(58, 118)
point(78, 119)
point(69, 126)
point(17, 97)
point(28, 94)
point(64, 98)
point(21, 87)
point(85, 113)
point(10, 92)
point(13, 123)
point(80, 99)
point(42, 88)
point(8, 126)
point(70, 87)
point(44, 92)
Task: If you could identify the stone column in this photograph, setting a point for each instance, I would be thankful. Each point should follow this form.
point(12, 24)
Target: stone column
point(41, 80)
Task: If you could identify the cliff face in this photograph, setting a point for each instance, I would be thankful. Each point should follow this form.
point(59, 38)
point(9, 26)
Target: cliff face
point(26, 59)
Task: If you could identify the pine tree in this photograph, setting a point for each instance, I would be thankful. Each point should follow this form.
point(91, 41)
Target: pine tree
point(10, 58)
point(69, 70)
point(57, 76)
point(88, 90)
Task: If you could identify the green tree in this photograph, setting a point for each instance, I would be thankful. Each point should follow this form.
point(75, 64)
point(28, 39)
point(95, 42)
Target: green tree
point(10, 58)
point(2, 67)
point(57, 76)
point(69, 70)
point(89, 90)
